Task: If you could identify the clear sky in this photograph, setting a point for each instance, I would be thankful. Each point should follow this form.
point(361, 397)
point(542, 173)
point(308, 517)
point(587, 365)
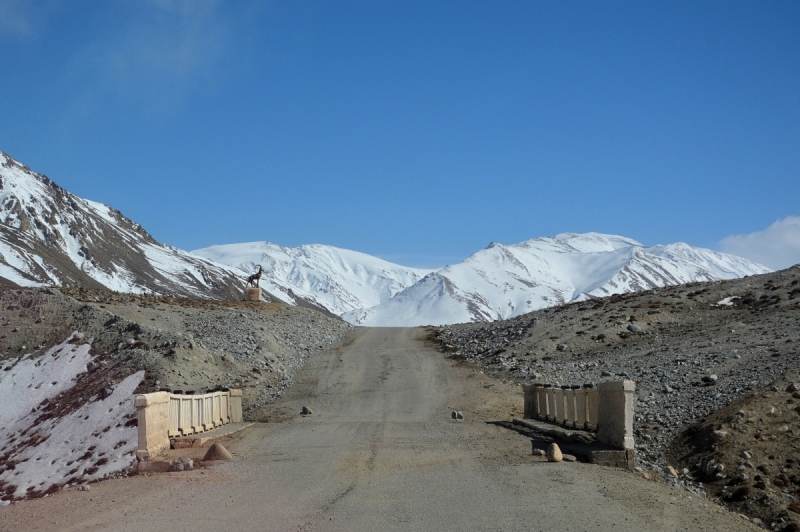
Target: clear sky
point(415, 131)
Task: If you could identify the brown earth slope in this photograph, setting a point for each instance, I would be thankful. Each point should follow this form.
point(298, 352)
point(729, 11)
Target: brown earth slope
point(182, 344)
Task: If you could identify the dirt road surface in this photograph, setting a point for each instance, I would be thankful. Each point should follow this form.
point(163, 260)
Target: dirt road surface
point(380, 452)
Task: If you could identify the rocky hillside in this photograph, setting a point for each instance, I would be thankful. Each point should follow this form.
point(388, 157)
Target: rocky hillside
point(691, 349)
point(49, 236)
point(181, 343)
point(746, 454)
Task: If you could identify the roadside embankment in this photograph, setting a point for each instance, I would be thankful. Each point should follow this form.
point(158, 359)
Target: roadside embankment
point(121, 344)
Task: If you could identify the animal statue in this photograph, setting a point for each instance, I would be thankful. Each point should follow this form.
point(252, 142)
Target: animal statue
point(254, 279)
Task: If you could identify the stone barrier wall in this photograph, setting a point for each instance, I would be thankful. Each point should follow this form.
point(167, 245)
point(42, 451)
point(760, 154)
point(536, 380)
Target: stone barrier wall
point(606, 409)
point(162, 415)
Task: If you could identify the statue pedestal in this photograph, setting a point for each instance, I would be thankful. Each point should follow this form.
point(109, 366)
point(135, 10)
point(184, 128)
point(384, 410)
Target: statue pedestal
point(252, 294)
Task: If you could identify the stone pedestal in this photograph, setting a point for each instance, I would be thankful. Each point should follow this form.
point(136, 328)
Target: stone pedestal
point(252, 294)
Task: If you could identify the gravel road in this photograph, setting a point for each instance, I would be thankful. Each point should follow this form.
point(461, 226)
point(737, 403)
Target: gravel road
point(380, 452)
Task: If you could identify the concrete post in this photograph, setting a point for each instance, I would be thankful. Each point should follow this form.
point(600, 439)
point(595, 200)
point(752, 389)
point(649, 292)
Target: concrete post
point(591, 408)
point(236, 406)
point(152, 413)
point(615, 411)
point(530, 409)
point(580, 408)
point(541, 400)
point(558, 411)
point(569, 408)
point(551, 403)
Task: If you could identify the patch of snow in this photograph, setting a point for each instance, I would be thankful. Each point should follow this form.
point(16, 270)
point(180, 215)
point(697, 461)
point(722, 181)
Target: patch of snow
point(61, 451)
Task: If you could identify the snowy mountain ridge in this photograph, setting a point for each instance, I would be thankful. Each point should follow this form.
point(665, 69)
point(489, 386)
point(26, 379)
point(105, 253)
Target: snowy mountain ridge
point(339, 280)
point(49, 236)
point(497, 282)
point(501, 282)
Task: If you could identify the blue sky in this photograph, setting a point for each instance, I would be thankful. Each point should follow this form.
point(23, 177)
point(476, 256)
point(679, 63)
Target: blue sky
point(416, 131)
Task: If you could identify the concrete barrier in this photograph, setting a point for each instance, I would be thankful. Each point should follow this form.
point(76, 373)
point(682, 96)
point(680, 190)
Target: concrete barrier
point(162, 415)
point(607, 409)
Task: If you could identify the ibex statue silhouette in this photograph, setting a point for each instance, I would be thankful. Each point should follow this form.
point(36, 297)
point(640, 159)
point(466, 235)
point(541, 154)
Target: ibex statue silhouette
point(254, 279)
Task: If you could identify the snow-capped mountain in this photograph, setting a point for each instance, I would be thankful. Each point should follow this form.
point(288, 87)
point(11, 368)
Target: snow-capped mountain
point(338, 280)
point(50, 236)
point(505, 281)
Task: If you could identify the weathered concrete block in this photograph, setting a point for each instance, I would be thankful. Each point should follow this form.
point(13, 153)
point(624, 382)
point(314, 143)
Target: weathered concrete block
point(615, 413)
point(153, 466)
point(152, 412)
point(178, 443)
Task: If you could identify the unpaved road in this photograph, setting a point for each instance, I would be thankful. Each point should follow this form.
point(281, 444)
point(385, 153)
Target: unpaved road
point(380, 453)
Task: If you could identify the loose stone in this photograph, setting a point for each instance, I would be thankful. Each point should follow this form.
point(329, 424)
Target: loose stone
point(554, 453)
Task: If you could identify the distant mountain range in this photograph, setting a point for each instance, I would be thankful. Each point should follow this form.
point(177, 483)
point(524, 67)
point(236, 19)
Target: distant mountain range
point(50, 236)
point(505, 281)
